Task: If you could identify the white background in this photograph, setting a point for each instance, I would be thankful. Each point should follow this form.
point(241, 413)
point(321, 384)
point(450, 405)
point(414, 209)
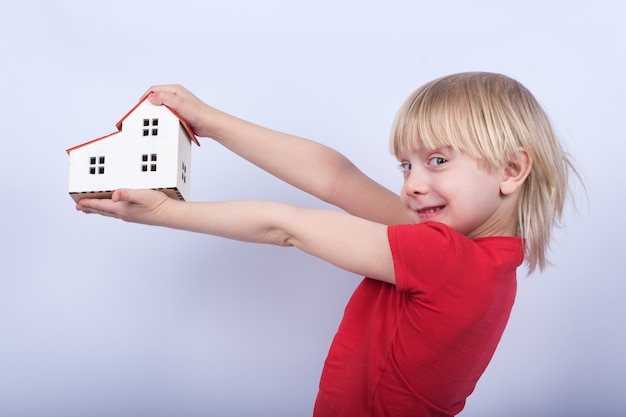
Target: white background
point(104, 318)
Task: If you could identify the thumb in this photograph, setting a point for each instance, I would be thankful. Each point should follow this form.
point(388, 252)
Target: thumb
point(122, 194)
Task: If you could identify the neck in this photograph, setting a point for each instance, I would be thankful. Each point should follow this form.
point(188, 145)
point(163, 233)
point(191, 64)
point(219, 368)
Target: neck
point(502, 223)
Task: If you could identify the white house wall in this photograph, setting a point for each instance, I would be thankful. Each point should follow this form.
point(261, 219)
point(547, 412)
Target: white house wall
point(81, 180)
point(183, 175)
point(164, 145)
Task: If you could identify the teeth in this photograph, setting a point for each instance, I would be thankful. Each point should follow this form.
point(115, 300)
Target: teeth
point(429, 210)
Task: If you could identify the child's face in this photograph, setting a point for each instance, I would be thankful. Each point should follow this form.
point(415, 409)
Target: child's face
point(449, 186)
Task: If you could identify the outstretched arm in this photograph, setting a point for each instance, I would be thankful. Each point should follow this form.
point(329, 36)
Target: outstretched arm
point(349, 242)
point(307, 165)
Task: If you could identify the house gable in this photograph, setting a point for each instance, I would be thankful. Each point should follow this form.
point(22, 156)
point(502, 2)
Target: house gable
point(118, 125)
point(151, 149)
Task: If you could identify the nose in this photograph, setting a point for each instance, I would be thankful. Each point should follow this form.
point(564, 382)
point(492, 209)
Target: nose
point(416, 184)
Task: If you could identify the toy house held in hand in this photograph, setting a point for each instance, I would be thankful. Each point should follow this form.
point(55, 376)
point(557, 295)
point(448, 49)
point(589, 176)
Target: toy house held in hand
point(151, 149)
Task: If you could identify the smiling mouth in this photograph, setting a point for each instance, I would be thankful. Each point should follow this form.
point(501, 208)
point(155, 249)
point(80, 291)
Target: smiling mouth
point(429, 212)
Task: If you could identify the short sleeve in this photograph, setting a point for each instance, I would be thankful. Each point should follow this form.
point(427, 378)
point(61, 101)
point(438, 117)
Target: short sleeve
point(423, 255)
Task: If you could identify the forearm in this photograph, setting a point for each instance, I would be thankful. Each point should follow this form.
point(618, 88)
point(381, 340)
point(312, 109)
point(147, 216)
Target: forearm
point(349, 242)
point(248, 221)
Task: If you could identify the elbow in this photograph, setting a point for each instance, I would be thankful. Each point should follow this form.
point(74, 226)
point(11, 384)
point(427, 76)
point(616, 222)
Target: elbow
point(279, 238)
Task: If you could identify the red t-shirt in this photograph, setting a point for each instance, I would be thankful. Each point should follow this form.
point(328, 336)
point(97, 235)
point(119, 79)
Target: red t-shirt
point(417, 348)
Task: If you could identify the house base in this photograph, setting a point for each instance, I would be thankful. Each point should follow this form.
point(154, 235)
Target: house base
point(170, 192)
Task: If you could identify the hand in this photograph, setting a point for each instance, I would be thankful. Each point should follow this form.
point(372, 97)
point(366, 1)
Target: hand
point(193, 110)
point(137, 206)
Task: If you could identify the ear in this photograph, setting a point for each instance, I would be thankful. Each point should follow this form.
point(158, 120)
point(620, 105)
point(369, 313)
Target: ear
point(515, 172)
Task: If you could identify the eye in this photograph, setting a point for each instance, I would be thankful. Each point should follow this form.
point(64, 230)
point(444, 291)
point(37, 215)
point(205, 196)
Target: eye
point(437, 160)
point(405, 167)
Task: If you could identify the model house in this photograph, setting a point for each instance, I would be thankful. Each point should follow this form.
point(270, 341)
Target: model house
point(151, 149)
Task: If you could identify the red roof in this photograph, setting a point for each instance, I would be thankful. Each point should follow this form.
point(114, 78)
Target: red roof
point(186, 127)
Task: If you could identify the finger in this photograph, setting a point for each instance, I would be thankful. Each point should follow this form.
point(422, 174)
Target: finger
point(171, 88)
point(83, 204)
point(172, 100)
point(101, 213)
point(104, 207)
point(169, 95)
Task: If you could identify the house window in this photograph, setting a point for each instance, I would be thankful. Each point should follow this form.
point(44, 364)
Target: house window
point(146, 127)
point(183, 175)
point(96, 165)
point(152, 158)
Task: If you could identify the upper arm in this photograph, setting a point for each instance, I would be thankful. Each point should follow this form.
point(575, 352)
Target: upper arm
point(349, 242)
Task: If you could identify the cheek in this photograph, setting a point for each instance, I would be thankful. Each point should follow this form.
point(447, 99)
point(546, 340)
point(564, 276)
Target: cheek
point(487, 196)
point(404, 199)
point(480, 191)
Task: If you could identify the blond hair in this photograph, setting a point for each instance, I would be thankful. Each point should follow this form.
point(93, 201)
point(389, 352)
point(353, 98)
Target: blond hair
point(489, 116)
